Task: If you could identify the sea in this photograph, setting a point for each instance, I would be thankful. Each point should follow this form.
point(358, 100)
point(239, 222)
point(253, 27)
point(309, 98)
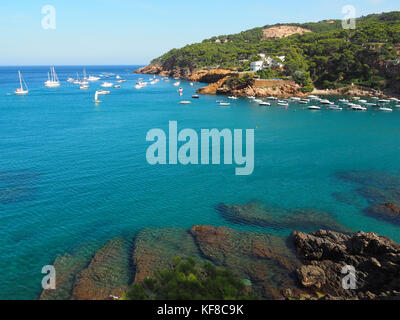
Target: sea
point(73, 173)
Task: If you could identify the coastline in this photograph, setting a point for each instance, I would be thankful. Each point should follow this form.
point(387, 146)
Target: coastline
point(216, 79)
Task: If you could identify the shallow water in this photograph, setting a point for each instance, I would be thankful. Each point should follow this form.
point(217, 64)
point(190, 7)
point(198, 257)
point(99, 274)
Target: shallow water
point(73, 172)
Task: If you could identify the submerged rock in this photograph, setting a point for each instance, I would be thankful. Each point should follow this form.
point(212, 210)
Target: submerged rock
point(67, 268)
point(156, 248)
point(266, 260)
point(254, 213)
point(388, 211)
point(372, 178)
point(107, 275)
point(376, 260)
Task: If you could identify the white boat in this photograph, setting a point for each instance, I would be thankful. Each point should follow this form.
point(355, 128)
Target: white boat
point(117, 86)
point(362, 101)
point(107, 84)
point(325, 101)
point(52, 81)
point(232, 98)
point(394, 99)
point(224, 104)
point(313, 97)
point(138, 86)
point(21, 90)
point(357, 107)
point(96, 97)
point(103, 92)
point(93, 78)
point(397, 105)
point(385, 109)
point(118, 77)
point(192, 84)
point(314, 108)
point(343, 100)
point(304, 101)
point(263, 103)
point(185, 102)
point(384, 101)
point(84, 87)
point(283, 104)
point(334, 107)
point(176, 84)
point(251, 98)
point(272, 98)
point(70, 80)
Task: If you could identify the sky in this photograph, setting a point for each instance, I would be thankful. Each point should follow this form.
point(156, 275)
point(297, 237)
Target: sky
point(119, 32)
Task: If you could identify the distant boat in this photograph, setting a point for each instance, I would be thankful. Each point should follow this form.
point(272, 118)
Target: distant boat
point(232, 97)
point(224, 104)
point(52, 81)
point(192, 84)
point(117, 86)
point(185, 102)
point(357, 107)
point(103, 92)
point(21, 90)
point(385, 109)
point(263, 103)
point(93, 78)
point(96, 97)
point(272, 98)
point(84, 87)
point(334, 107)
point(195, 96)
point(314, 108)
point(107, 84)
point(176, 84)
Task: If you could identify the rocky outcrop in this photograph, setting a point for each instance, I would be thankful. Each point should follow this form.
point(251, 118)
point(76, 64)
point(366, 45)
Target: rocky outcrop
point(266, 261)
point(254, 213)
point(376, 261)
point(107, 275)
point(197, 75)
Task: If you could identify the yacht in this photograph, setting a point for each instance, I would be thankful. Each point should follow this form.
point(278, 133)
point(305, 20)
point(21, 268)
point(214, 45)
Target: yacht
point(335, 107)
point(52, 81)
point(195, 96)
point(107, 84)
point(93, 78)
point(224, 104)
point(384, 101)
point(325, 101)
point(357, 107)
point(232, 98)
point(314, 108)
point(185, 102)
point(103, 92)
point(21, 90)
point(263, 103)
point(385, 109)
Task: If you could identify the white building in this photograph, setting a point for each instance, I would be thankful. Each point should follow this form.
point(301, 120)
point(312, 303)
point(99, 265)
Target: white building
point(256, 66)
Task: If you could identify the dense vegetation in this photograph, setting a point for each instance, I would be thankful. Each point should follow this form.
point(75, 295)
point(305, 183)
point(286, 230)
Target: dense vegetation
point(188, 281)
point(329, 57)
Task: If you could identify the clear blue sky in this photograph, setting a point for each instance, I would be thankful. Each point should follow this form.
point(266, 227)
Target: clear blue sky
point(136, 31)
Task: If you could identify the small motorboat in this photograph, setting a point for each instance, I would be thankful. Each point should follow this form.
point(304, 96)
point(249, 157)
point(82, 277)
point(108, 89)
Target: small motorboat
point(185, 102)
point(103, 92)
point(335, 107)
point(84, 87)
point(263, 103)
point(232, 98)
point(272, 98)
point(385, 109)
point(117, 86)
point(107, 84)
point(224, 104)
point(195, 96)
point(314, 108)
point(357, 107)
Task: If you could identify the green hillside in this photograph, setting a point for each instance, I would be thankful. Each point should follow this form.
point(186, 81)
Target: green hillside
point(328, 57)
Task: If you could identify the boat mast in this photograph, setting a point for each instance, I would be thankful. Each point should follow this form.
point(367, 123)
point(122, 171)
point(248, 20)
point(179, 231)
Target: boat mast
point(20, 81)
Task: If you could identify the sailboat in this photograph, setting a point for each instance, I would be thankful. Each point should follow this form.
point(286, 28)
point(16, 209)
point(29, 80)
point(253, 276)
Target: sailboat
point(52, 81)
point(21, 90)
point(96, 97)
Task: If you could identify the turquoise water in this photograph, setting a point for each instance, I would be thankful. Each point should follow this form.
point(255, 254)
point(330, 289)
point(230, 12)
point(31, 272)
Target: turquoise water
point(73, 172)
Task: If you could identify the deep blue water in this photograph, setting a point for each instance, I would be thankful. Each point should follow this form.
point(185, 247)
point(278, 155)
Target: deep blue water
point(73, 172)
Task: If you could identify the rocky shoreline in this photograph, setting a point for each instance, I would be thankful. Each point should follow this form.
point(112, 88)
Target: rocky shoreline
point(216, 79)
